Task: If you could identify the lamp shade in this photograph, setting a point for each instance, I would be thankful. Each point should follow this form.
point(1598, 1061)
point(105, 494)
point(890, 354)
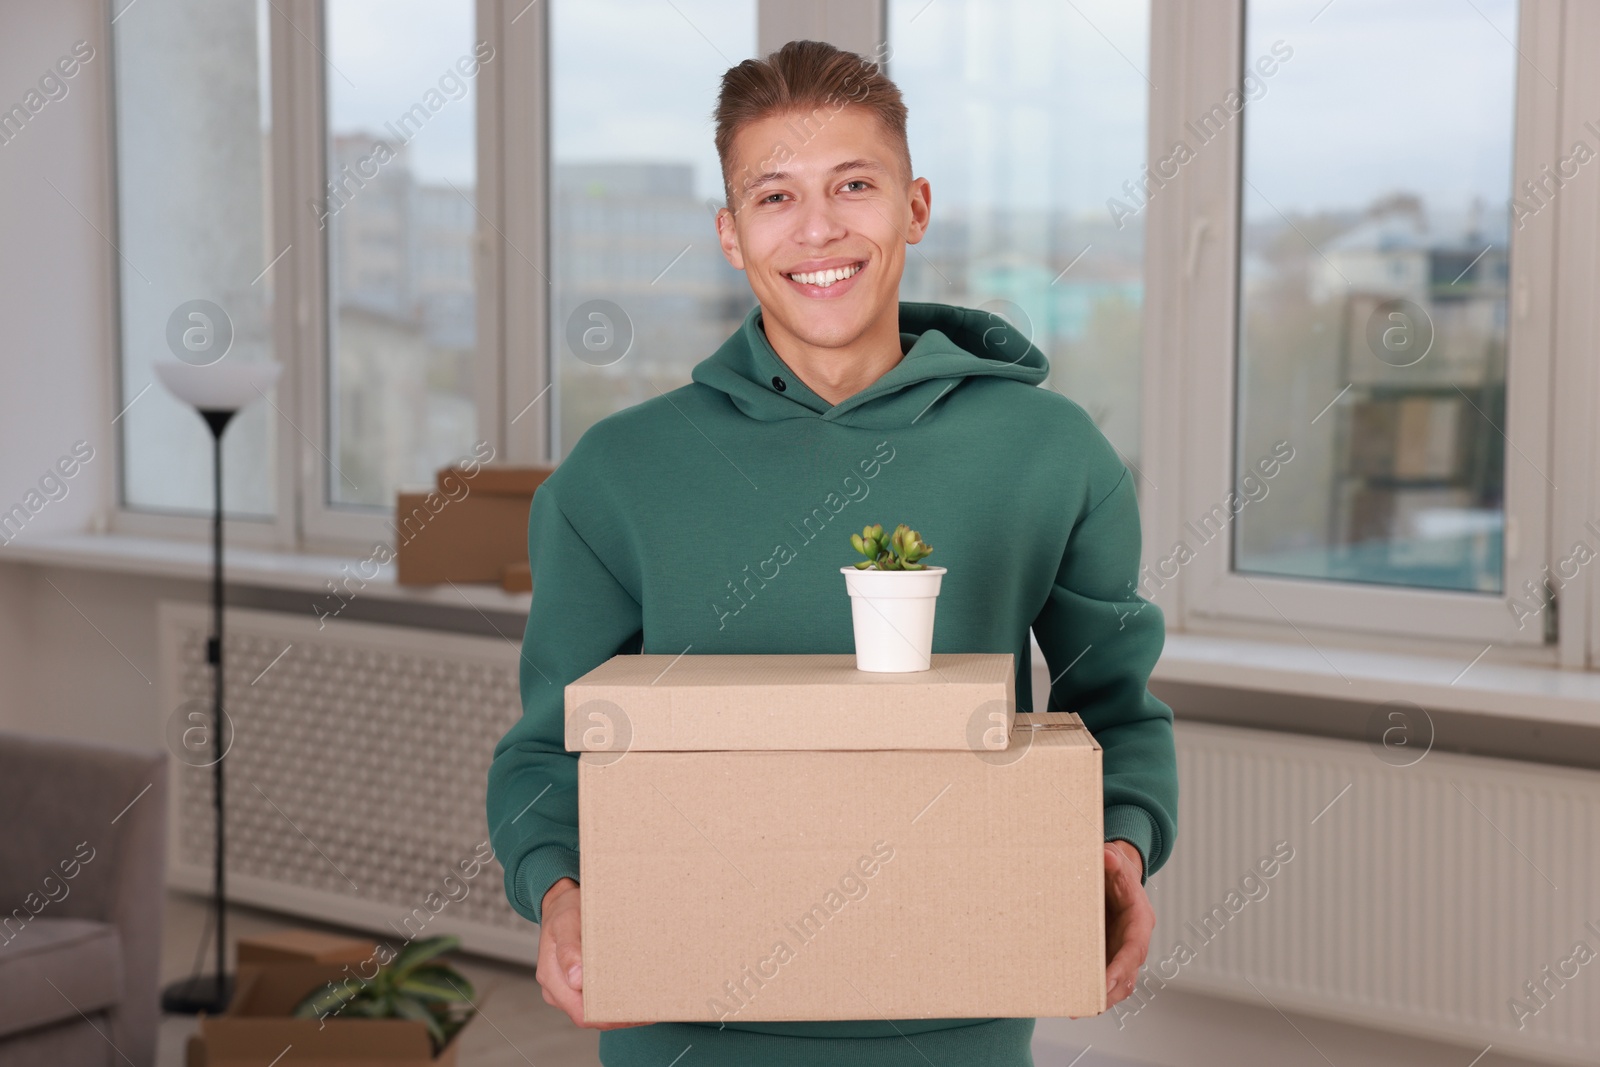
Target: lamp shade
point(227, 385)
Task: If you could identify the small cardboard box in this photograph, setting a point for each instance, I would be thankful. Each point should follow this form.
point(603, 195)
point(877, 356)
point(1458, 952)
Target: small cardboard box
point(658, 703)
point(304, 946)
point(855, 884)
point(258, 1027)
point(501, 479)
point(517, 578)
point(471, 538)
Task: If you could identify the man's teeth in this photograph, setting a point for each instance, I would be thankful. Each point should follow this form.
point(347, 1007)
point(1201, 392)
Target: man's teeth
point(825, 278)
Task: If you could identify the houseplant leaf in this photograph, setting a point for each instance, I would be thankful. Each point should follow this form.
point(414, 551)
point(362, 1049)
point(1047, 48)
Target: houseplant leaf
point(408, 1008)
point(419, 952)
point(329, 1000)
point(439, 983)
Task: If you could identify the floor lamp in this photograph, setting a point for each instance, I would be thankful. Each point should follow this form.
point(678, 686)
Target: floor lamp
point(218, 391)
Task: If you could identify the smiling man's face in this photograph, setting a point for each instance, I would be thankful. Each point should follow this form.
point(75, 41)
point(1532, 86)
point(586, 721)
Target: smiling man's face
point(834, 209)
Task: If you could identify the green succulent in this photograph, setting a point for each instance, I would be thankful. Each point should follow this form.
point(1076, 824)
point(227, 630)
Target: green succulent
point(414, 985)
point(899, 551)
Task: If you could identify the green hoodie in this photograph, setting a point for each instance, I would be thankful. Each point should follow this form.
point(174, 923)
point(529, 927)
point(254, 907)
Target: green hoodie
point(715, 518)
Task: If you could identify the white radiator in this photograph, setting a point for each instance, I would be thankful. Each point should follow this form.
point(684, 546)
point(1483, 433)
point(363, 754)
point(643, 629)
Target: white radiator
point(1422, 900)
point(355, 781)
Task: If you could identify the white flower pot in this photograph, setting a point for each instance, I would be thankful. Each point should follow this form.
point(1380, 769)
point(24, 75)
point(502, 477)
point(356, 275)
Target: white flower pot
point(893, 616)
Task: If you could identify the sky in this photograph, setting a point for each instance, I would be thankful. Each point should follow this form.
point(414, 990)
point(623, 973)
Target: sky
point(1380, 96)
point(1023, 103)
point(383, 58)
point(636, 80)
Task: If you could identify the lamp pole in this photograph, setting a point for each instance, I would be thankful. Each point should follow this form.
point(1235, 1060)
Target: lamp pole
point(196, 994)
point(218, 421)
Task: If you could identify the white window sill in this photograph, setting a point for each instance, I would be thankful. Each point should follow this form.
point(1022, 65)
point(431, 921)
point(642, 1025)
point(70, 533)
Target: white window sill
point(1507, 692)
point(1515, 692)
point(257, 568)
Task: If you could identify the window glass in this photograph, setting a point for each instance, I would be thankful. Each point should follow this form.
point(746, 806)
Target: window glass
point(640, 289)
point(400, 220)
point(1377, 213)
point(193, 233)
point(1028, 118)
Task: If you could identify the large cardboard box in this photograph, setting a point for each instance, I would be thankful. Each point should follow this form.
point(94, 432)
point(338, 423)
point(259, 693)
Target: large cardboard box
point(845, 884)
point(258, 1027)
point(659, 703)
point(468, 538)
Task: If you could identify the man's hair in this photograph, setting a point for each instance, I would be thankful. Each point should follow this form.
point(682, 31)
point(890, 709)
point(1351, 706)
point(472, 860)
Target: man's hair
point(813, 81)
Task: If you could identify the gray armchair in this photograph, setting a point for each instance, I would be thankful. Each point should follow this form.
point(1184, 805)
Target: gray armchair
point(82, 895)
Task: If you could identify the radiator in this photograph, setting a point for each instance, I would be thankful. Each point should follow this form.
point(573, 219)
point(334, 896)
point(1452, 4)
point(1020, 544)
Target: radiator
point(356, 774)
point(1419, 898)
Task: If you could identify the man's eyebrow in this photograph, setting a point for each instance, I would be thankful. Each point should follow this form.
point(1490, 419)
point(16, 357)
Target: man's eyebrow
point(783, 175)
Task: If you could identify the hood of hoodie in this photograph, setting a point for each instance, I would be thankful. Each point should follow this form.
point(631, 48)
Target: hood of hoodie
point(942, 346)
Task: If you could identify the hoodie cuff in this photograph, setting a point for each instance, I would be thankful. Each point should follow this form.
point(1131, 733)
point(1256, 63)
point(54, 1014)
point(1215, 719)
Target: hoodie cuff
point(539, 870)
point(1131, 823)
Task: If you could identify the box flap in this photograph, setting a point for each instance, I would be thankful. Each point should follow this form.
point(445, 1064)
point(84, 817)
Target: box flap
point(1058, 729)
point(304, 946)
point(660, 703)
point(499, 479)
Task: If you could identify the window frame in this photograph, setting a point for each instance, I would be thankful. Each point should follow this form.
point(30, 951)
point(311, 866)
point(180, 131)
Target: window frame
point(1576, 386)
point(303, 48)
point(1191, 363)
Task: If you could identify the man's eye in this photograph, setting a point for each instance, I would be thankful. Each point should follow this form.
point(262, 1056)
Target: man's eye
point(857, 181)
point(769, 196)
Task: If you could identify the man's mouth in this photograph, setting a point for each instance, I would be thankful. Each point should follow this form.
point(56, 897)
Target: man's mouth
point(824, 280)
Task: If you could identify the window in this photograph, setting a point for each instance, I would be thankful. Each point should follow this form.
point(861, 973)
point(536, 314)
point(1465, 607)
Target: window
point(1354, 334)
point(640, 290)
point(1328, 293)
point(193, 159)
point(1028, 120)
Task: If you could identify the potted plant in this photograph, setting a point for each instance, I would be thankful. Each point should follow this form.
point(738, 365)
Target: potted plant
point(414, 986)
point(892, 600)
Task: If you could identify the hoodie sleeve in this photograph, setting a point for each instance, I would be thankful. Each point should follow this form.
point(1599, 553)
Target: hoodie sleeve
point(1101, 639)
point(580, 617)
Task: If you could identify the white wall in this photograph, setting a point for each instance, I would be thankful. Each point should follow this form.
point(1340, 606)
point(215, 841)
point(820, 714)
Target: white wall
point(54, 305)
point(88, 675)
point(54, 276)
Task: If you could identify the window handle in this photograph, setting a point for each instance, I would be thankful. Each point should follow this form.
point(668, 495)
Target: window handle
point(1197, 234)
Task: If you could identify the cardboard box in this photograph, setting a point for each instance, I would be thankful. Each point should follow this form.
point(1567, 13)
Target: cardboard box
point(517, 578)
point(303, 946)
point(258, 1027)
point(868, 884)
point(658, 703)
point(471, 538)
point(500, 479)
point(1427, 437)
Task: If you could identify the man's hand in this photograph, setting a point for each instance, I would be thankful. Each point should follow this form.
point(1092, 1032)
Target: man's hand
point(1130, 919)
point(560, 966)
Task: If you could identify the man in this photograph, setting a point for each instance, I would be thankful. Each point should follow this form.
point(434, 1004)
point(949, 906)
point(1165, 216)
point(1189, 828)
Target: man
point(715, 518)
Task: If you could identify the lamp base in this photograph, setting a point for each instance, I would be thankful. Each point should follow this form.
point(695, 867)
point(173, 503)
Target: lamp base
point(190, 996)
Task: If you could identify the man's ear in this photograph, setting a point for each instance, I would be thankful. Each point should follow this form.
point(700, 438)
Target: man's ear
point(921, 194)
point(728, 238)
